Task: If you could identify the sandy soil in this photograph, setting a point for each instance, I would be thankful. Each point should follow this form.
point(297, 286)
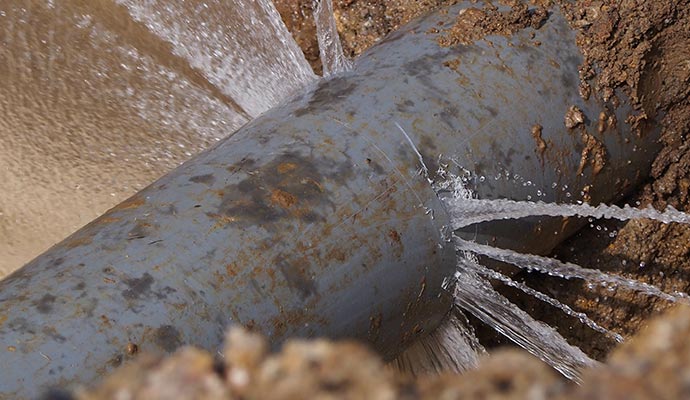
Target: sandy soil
point(652, 366)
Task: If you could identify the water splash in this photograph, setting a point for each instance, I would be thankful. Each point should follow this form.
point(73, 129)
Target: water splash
point(330, 48)
point(451, 347)
point(466, 212)
point(489, 273)
point(475, 294)
point(242, 47)
point(566, 270)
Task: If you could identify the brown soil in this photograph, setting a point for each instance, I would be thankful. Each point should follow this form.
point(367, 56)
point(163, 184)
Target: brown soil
point(475, 23)
point(361, 23)
point(642, 49)
point(653, 366)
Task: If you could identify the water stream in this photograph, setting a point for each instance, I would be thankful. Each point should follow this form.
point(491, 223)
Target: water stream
point(488, 273)
point(474, 293)
point(102, 97)
point(330, 48)
point(241, 47)
point(473, 211)
point(566, 270)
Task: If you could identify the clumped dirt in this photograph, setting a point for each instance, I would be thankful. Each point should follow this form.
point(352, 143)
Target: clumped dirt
point(573, 117)
point(593, 153)
point(652, 366)
point(476, 23)
point(361, 23)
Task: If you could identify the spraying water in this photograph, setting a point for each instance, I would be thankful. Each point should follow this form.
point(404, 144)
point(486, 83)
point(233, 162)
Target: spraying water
point(474, 293)
point(488, 273)
point(102, 97)
point(242, 48)
point(330, 48)
point(473, 211)
point(565, 270)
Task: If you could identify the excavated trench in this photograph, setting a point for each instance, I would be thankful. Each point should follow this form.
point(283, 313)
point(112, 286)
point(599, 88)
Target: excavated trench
point(641, 48)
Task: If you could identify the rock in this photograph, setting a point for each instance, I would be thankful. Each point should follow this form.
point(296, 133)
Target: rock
point(324, 370)
point(507, 374)
point(187, 374)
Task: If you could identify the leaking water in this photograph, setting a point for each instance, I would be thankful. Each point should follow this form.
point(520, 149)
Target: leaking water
point(330, 48)
point(565, 270)
point(474, 293)
point(241, 47)
point(489, 273)
point(473, 211)
point(451, 347)
point(100, 98)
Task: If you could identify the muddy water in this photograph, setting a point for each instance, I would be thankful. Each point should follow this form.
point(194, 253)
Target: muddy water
point(100, 97)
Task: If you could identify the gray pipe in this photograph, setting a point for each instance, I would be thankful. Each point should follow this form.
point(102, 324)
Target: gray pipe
point(313, 220)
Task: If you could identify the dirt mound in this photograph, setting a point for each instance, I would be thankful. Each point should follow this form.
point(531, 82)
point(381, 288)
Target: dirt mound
point(649, 367)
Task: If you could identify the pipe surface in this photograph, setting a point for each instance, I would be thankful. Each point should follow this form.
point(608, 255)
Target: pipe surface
point(313, 219)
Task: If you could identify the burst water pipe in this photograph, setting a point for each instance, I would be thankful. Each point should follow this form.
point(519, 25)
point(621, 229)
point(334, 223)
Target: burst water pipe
point(314, 219)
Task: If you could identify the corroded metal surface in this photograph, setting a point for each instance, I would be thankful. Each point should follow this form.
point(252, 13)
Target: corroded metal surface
point(314, 219)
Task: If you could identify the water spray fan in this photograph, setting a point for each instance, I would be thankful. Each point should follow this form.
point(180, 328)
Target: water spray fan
point(325, 216)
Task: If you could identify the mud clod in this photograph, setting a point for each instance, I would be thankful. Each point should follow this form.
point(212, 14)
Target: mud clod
point(541, 144)
point(594, 154)
point(474, 23)
point(574, 117)
point(651, 366)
